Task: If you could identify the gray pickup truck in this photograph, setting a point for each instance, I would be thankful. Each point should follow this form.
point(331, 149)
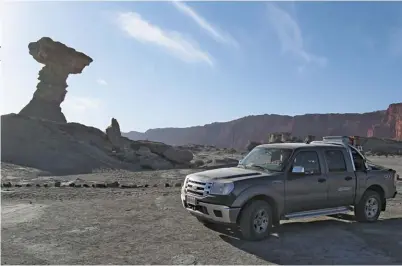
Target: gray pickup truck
point(290, 180)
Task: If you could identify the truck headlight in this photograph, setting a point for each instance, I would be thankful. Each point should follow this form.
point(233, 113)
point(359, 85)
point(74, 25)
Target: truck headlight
point(218, 188)
point(183, 188)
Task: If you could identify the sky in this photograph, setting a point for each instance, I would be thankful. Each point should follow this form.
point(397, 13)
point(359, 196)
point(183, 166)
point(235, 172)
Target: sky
point(180, 64)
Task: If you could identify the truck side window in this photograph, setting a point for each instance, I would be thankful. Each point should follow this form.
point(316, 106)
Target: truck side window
point(308, 160)
point(336, 161)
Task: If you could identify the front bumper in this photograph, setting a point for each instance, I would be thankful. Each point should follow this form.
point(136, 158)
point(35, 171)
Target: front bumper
point(212, 212)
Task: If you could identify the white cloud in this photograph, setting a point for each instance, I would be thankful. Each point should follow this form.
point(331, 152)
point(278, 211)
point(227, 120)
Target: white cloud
point(205, 25)
point(101, 82)
point(396, 42)
point(290, 35)
point(141, 30)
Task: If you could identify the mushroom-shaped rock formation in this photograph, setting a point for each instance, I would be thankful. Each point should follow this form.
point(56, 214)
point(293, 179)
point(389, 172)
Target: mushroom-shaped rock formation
point(60, 61)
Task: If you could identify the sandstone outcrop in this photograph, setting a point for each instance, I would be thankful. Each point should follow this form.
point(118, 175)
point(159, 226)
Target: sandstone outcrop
point(60, 61)
point(383, 124)
point(150, 155)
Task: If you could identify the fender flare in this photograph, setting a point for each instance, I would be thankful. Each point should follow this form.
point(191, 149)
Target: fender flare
point(254, 191)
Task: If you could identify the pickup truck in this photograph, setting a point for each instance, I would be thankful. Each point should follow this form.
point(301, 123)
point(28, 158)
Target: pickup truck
point(285, 181)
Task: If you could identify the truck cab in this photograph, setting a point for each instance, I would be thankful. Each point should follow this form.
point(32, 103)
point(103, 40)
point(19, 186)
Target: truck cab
point(287, 181)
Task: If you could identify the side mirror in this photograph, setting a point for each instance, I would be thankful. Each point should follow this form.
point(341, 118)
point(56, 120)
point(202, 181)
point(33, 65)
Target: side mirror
point(298, 170)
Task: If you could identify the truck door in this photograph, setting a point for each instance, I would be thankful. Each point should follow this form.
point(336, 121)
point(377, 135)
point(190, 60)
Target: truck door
point(341, 178)
point(306, 190)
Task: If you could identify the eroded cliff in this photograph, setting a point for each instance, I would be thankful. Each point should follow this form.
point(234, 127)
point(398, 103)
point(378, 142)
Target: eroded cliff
point(238, 133)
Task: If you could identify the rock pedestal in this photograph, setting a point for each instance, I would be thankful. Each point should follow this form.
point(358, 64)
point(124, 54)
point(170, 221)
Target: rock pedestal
point(60, 61)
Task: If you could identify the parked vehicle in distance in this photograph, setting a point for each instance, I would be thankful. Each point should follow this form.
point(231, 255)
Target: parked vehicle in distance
point(287, 181)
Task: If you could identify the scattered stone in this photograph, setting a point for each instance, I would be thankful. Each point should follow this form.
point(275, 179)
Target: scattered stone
point(114, 184)
point(85, 185)
point(129, 186)
point(37, 185)
point(146, 185)
point(18, 185)
point(57, 184)
point(100, 185)
point(7, 184)
point(78, 185)
point(72, 184)
point(178, 185)
point(167, 185)
point(93, 185)
point(28, 185)
point(46, 185)
point(30, 202)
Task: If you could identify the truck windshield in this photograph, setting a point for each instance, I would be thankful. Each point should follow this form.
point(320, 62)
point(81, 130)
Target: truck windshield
point(271, 159)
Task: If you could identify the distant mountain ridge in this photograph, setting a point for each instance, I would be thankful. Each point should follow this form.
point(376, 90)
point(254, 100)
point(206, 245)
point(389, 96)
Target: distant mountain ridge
point(237, 133)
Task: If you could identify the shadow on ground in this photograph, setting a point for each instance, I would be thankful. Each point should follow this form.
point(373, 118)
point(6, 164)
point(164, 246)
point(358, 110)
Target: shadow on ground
point(341, 241)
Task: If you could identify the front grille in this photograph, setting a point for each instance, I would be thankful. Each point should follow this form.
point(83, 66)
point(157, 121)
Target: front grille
point(197, 187)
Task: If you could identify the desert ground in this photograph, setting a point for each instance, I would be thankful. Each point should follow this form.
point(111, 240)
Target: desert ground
point(147, 225)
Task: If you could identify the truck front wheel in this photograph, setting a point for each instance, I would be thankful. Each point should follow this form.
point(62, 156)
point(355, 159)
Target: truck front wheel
point(369, 207)
point(256, 220)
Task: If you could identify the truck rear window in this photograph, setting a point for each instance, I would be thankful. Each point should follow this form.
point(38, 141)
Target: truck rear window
point(335, 161)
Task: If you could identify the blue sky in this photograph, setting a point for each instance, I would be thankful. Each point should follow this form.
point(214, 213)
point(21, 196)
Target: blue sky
point(164, 64)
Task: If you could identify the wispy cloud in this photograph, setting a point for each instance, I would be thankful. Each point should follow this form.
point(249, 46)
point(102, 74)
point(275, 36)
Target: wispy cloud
point(395, 44)
point(174, 42)
point(101, 82)
point(290, 35)
point(205, 25)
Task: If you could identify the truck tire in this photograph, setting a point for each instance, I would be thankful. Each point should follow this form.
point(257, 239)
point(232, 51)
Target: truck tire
point(256, 220)
point(369, 207)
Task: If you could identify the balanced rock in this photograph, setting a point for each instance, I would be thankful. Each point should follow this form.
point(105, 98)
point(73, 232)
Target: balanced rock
point(60, 61)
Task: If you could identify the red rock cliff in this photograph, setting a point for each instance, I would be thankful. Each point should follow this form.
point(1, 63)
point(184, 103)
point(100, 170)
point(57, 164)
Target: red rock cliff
point(238, 133)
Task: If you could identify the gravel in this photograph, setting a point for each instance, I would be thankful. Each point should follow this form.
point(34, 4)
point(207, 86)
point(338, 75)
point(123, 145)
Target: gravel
point(148, 225)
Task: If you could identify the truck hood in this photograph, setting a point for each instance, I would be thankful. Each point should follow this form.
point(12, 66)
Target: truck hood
point(375, 166)
point(229, 174)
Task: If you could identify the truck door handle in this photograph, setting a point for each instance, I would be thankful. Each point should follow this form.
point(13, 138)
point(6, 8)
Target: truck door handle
point(321, 180)
point(348, 178)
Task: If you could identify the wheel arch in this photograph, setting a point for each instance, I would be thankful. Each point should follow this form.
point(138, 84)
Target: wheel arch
point(270, 200)
point(380, 190)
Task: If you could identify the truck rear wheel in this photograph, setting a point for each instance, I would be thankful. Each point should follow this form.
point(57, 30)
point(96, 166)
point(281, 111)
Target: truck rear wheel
point(369, 207)
point(256, 220)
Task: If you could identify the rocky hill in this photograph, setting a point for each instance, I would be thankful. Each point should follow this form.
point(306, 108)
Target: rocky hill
point(237, 133)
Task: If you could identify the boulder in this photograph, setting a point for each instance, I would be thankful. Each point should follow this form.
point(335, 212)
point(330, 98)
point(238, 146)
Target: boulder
point(178, 156)
point(150, 160)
